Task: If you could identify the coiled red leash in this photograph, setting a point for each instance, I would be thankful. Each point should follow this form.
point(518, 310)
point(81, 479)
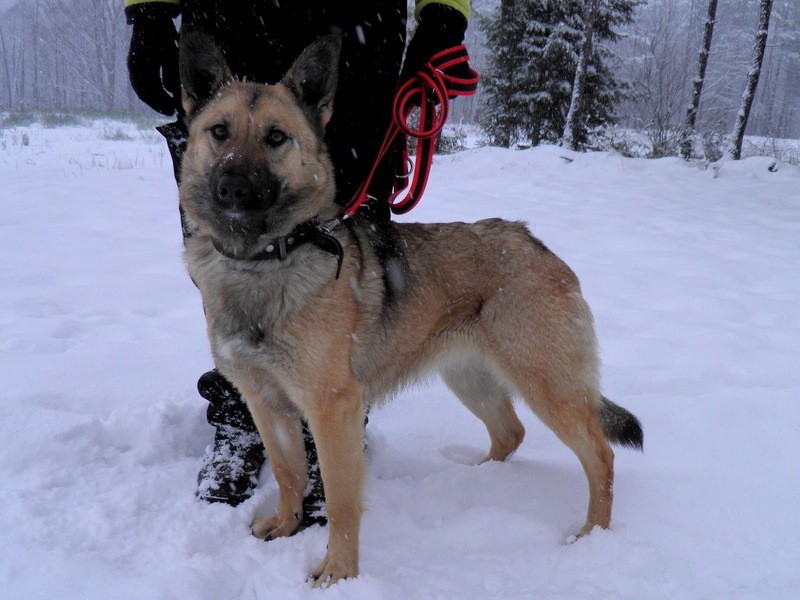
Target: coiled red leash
point(432, 86)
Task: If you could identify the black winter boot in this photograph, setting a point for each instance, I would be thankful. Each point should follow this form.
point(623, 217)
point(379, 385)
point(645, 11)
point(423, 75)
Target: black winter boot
point(314, 498)
point(230, 469)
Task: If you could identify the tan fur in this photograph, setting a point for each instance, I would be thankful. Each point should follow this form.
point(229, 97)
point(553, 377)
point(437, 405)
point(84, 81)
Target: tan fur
point(485, 304)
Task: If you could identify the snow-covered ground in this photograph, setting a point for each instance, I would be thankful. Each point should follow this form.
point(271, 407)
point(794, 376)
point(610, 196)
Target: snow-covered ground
point(694, 279)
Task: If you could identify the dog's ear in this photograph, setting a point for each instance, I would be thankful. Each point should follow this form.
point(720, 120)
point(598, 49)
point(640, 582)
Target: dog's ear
point(203, 68)
point(313, 78)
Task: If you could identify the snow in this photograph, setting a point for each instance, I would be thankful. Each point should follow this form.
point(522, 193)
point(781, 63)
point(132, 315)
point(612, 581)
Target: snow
point(693, 279)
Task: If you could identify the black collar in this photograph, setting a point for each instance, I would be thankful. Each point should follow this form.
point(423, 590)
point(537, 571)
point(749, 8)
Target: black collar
point(310, 232)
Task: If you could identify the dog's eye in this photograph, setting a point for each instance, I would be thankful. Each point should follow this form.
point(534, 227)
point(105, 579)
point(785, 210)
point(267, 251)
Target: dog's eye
point(275, 138)
point(219, 132)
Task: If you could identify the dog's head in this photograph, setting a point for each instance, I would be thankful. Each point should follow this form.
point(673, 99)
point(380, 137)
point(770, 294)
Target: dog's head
point(256, 165)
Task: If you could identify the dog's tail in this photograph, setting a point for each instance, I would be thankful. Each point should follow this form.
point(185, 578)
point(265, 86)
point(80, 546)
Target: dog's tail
point(620, 426)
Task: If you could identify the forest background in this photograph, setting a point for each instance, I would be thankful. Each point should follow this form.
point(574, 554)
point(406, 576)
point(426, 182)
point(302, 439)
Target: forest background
point(67, 57)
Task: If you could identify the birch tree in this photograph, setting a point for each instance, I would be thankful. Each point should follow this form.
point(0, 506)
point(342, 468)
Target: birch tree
point(8, 78)
point(697, 84)
point(753, 75)
point(574, 120)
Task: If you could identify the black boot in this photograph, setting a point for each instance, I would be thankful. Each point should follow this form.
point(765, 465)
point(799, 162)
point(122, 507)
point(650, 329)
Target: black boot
point(230, 469)
point(314, 497)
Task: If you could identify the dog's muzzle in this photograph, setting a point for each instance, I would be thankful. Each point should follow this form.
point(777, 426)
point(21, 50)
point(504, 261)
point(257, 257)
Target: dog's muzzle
point(238, 194)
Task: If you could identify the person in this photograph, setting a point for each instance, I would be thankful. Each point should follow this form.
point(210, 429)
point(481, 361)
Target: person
point(260, 39)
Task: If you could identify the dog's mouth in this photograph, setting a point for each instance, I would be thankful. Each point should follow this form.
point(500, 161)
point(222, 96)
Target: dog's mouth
point(245, 216)
point(241, 233)
point(237, 216)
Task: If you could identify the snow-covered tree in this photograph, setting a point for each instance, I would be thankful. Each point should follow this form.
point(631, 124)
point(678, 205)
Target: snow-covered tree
point(699, 80)
point(572, 128)
point(533, 58)
point(498, 81)
point(659, 57)
point(753, 76)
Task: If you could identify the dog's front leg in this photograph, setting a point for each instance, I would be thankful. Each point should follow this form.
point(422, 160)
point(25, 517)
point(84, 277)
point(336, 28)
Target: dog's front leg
point(283, 439)
point(337, 424)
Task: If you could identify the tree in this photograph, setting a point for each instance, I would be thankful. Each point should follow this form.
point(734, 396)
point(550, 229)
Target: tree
point(533, 58)
point(8, 86)
point(498, 82)
point(575, 115)
point(702, 65)
point(753, 76)
point(63, 54)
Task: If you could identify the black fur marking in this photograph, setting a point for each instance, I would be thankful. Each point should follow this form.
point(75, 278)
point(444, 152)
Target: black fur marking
point(255, 98)
point(540, 245)
point(381, 236)
point(620, 426)
point(256, 335)
point(393, 261)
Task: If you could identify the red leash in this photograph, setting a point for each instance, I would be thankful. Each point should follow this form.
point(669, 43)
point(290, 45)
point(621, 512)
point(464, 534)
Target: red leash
point(431, 86)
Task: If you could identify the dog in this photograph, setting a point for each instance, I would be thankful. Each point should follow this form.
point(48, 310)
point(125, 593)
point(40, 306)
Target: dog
point(316, 319)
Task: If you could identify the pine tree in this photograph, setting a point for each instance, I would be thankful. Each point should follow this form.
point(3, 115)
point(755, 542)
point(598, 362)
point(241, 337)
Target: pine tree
point(533, 57)
point(499, 82)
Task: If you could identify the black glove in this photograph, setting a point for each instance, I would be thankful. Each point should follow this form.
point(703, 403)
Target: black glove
point(438, 27)
point(153, 55)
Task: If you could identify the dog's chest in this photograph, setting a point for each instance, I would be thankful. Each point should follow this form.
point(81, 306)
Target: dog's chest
point(252, 315)
point(252, 336)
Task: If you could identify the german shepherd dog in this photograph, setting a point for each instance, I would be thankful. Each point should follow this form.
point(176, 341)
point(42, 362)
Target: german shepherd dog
point(486, 304)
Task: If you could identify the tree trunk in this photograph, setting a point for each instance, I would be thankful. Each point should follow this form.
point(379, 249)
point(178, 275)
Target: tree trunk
point(753, 75)
point(506, 16)
point(702, 63)
point(21, 88)
point(9, 87)
point(506, 10)
point(37, 102)
point(574, 123)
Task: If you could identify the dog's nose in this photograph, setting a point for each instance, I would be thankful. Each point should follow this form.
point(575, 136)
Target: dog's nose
point(235, 191)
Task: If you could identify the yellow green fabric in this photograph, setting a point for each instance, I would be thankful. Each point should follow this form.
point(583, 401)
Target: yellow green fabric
point(132, 2)
point(463, 6)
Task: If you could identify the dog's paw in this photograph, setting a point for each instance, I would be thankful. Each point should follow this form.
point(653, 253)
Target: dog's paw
point(582, 533)
point(268, 528)
point(333, 569)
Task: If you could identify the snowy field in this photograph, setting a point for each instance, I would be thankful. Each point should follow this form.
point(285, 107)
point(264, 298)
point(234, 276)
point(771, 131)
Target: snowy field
point(694, 279)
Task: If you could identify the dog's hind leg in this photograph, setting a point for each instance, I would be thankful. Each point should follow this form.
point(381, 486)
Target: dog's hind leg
point(539, 332)
point(489, 400)
point(283, 440)
point(573, 418)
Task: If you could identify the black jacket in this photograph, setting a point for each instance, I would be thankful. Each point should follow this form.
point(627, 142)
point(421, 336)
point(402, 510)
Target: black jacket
point(261, 39)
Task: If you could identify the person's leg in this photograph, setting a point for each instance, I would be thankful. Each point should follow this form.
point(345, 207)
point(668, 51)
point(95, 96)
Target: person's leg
point(373, 39)
point(232, 463)
point(231, 467)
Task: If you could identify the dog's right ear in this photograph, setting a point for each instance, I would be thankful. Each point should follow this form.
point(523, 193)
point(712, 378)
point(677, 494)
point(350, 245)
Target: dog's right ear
point(203, 69)
point(313, 78)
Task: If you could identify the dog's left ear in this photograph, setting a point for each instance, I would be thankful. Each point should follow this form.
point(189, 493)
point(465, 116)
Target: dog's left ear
point(313, 78)
point(203, 68)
